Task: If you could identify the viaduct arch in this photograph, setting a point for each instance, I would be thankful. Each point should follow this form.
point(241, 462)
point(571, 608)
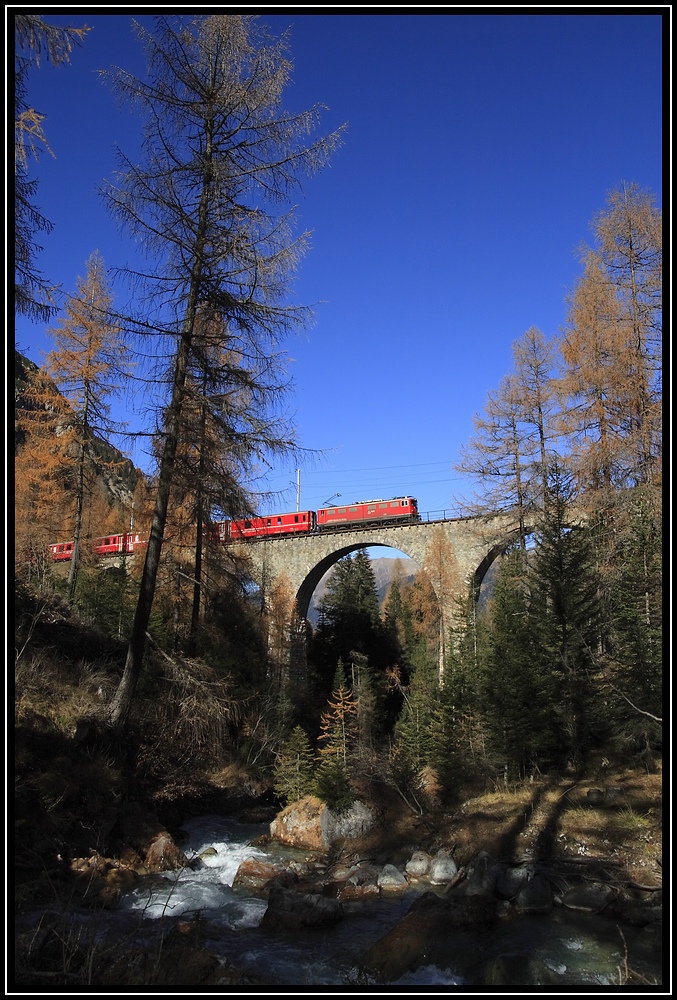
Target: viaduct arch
point(454, 552)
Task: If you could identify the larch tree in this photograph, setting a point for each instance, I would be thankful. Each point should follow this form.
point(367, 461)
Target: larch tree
point(513, 445)
point(534, 361)
point(337, 742)
point(220, 158)
point(227, 426)
point(629, 247)
point(591, 416)
point(610, 385)
point(498, 456)
point(43, 472)
point(86, 364)
point(444, 574)
point(34, 40)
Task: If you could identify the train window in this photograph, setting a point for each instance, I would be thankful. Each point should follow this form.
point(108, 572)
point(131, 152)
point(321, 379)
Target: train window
point(340, 510)
point(394, 503)
point(382, 506)
point(352, 510)
point(279, 520)
point(296, 519)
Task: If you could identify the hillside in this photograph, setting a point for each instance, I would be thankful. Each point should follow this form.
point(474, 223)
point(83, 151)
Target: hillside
point(114, 475)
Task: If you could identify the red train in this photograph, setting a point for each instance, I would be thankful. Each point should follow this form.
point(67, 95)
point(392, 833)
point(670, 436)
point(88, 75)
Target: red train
point(326, 519)
point(367, 512)
point(362, 513)
point(107, 545)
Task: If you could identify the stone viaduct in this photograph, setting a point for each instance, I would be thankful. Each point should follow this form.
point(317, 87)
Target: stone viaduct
point(454, 552)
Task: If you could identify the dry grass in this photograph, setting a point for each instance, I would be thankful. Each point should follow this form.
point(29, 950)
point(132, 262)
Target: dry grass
point(560, 820)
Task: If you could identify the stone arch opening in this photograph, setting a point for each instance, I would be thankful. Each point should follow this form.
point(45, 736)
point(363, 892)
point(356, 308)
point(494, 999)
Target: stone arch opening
point(307, 589)
point(494, 553)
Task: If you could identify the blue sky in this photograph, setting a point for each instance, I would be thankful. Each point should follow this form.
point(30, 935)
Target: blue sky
point(478, 148)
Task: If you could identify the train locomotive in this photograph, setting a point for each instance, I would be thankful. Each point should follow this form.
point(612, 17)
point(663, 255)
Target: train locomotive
point(363, 513)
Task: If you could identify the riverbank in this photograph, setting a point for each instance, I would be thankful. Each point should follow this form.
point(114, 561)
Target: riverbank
point(604, 831)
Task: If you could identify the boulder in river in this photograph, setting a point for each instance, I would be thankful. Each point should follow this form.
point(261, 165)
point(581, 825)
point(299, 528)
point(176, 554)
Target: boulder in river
point(288, 909)
point(310, 823)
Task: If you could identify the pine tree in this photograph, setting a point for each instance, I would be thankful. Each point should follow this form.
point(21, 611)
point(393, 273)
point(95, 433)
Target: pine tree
point(413, 745)
point(350, 616)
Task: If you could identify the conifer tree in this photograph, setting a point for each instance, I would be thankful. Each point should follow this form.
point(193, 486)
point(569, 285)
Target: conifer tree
point(43, 473)
point(534, 365)
point(294, 768)
point(444, 575)
point(634, 644)
point(518, 688)
point(350, 616)
point(498, 456)
point(513, 444)
point(86, 364)
point(220, 157)
point(610, 386)
point(413, 748)
point(336, 743)
point(566, 617)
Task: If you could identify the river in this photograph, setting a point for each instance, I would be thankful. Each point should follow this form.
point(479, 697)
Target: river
point(578, 948)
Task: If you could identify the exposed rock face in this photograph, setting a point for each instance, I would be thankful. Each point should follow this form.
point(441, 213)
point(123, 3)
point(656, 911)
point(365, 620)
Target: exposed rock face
point(310, 823)
point(163, 854)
